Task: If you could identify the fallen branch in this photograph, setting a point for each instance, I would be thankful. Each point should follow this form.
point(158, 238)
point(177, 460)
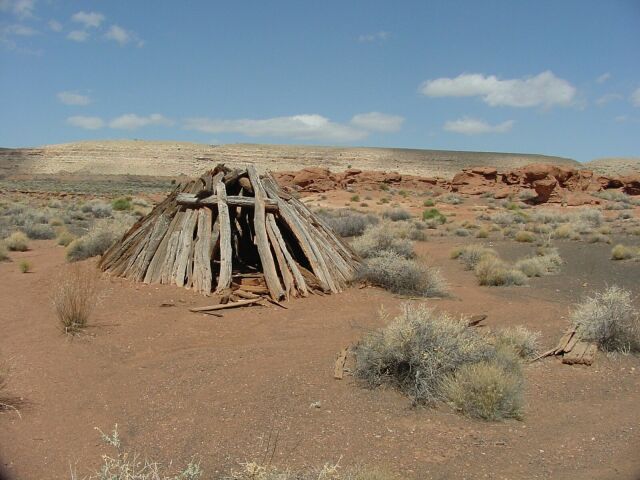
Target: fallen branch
point(239, 303)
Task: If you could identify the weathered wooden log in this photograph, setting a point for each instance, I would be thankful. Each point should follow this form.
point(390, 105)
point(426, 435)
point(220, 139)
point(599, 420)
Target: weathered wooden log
point(226, 253)
point(192, 200)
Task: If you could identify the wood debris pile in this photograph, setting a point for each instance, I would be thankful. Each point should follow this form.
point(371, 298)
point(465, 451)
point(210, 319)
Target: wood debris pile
point(233, 231)
point(573, 350)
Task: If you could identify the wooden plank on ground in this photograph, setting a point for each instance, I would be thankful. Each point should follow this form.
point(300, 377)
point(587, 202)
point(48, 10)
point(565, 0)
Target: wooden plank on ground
point(563, 341)
point(239, 303)
point(338, 372)
point(590, 354)
point(576, 353)
point(571, 343)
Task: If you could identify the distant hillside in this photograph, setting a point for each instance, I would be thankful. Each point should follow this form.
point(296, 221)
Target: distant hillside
point(174, 158)
point(614, 166)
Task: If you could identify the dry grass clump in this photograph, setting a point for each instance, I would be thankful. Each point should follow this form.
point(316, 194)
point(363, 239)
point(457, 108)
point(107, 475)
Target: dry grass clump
point(97, 208)
point(403, 276)
point(507, 218)
point(470, 255)
point(598, 238)
point(346, 222)
point(547, 262)
point(492, 271)
point(524, 236)
point(17, 242)
point(4, 255)
point(65, 237)
point(608, 319)
point(450, 198)
point(75, 295)
point(482, 233)
point(382, 238)
point(520, 340)
point(396, 214)
point(486, 391)
point(622, 252)
point(25, 266)
point(433, 357)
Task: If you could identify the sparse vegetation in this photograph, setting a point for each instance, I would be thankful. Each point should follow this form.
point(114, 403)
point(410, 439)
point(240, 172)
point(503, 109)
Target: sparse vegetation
point(522, 341)
point(24, 266)
point(524, 236)
point(547, 262)
point(121, 204)
point(65, 238)
point(39, 231)
point(382, 238)
point(608, 319)
point(75, 295)
point(434, 215)
point(623, 252)
point(427, 354)
point(346, 222)
point(403, 276)
point(492, 271)
point(96, 242)
point(471, 255)
point(17, 242)
point(396, 214)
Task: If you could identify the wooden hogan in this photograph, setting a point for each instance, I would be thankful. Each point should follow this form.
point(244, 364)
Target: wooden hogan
point(233, 232)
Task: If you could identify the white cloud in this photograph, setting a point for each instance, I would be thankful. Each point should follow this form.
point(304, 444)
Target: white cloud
point(603, 78)
point(131, 121)
point(372, 37)
point(88, 123)
point(77, 35)
point(122, 36)
point(18, 30)
point(20, 8)
point(88, 19)
point(71, 98)
point(608, 97)
point(544, 89)
point(635, 97)
point(474, 126)
point(379, 122)
point(55, 25)
point(621, 118)
point(302, 127)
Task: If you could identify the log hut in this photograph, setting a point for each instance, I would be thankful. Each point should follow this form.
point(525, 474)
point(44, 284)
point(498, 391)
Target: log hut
point(232, 230)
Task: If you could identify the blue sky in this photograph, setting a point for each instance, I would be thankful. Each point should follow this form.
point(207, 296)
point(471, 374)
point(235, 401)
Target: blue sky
point(550, 77)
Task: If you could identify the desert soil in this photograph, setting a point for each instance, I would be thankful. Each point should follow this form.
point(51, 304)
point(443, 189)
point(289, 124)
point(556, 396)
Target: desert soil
point(180, 384)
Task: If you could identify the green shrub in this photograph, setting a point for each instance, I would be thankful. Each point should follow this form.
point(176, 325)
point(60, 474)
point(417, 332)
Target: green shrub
point(403, 276)
point(121, 204)
point(17, 242)
point(608, 319)
point(433, 214)
point(355, 198)
point(428, 202)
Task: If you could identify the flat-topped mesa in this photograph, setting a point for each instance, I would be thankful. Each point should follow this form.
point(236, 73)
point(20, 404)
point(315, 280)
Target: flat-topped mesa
point(232, 230)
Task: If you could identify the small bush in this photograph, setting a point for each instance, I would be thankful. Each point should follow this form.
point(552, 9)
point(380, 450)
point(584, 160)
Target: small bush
point(471, 255)
point(506, 218)
point(546, 263)
point(355, 198)
point(25, 266)
point(121, 204)
point(56, 222)
point(65, 238)
point(428, 202)
point(461, 232)
point(434, 215)
point(4, 255)
point(486, 391)
point(396, 214)
point(38, 231)
point(608, 319)
point(379, 239)
point(417, 351)
point(520, 340)
point(96, 242)
point(622, 252)
point(482, 233)
point(17, 242)
point(451, 199)
point(75, 296)
point(347, 223)
point(403, 276)
point(524, 236)
point(492, 271)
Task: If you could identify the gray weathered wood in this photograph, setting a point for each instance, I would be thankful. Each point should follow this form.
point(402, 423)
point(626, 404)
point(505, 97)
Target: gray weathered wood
point(191, 200)
point(261, 238)
point(202, 252)
point(224, 223)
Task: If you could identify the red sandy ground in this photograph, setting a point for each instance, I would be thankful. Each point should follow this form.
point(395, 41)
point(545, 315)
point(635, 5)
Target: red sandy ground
point(180, 384)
